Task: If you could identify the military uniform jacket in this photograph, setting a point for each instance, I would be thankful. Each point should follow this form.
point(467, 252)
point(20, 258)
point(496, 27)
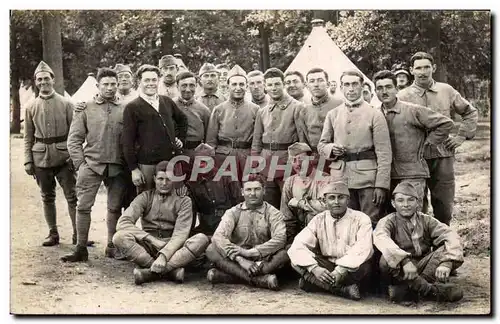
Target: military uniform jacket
point(359, 129)
point(46, 118)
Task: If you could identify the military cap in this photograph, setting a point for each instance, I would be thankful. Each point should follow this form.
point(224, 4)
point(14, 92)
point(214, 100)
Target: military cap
point(406, 188)
point(43, 67)
point(207, 67)
point(167, 60)
point(399, 68)
point(222, 66)
point(236, 71)
point(119, 68)
point(204, 150)
point(298, 148)
point(338, 187)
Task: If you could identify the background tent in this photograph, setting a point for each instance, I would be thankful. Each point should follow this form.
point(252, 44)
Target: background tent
point(87, 90)
point(320, 50)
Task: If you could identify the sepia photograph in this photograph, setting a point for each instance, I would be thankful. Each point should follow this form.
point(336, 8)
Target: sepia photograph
point(250, 162)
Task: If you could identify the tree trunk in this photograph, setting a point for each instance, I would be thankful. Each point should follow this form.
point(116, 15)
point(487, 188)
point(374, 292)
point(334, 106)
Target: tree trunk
point(167, 38)
point(15, 126)
point(434, 33)
point(264, 36)
point(52, 46)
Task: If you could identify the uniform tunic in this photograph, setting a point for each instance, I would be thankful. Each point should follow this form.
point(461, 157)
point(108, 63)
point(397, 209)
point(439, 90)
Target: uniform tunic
point(442, 98)
point(262, 229)
point(211, 100)
point(47, 117)
point(170, 91)
point(399, 237)
point(198, 116)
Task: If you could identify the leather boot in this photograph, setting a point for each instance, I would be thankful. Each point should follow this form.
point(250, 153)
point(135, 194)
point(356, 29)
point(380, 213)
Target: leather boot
point(216, 276)
point(81, 254)
point(268, 281)
point(234, 269)
point(445, 292)
point(351, 292)
point(176, 275)
point(52, 239)
point(398, 293)
point(145, 275)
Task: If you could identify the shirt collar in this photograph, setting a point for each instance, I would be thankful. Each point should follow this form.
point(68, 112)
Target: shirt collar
point(282, 103)
point(395, 109)
point(259, 101)
point(100, 100)
point(154, 98)
point(48, 96)
point(236, 103)
point(260, 210)
point(215, 94)
point(354, 104)
point(421, 91)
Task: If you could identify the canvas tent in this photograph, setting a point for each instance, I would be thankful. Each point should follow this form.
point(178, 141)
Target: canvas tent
point(320, 50)
point(87, 90)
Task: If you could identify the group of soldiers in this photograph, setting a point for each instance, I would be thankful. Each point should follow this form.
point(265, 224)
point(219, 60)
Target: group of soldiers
point(356, 220)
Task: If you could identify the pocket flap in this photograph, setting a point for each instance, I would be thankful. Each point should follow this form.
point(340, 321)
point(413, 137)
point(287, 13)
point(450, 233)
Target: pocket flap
point(366, 165)
point(39, 147)
point(337, 165)
point(62, 146)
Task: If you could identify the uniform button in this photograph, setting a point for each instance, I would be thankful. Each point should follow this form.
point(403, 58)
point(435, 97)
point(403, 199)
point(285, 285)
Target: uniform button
point(348, 121)
point(213, 201)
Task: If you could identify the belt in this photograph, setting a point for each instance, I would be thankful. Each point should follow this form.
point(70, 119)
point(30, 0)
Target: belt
point(191, 145)
point(276, 146)
point(364, 155)
point(52, 140)
point(160, 233)
point(234, 144)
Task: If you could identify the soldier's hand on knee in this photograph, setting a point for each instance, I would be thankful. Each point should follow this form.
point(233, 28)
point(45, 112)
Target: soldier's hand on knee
point(160, 264)
point(323, 275)
point(29, 168)
point(410, 271)
point(443, 273)
point(138, 177)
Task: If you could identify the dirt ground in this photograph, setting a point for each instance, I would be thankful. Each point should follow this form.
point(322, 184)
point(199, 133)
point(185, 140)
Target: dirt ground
point(41, 284)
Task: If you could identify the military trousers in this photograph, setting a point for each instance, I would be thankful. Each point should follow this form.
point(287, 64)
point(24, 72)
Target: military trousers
point(441, 184)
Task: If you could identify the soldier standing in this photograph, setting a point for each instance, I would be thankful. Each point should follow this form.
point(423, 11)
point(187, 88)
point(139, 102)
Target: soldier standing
point(209, 80)
point(47, 122)
point(168, 68)
point(257, 92)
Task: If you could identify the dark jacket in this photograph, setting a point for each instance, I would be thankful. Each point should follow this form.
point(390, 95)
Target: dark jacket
point(153, 132)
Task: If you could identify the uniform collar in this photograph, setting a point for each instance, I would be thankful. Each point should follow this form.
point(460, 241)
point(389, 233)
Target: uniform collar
point(100, 100)
point(395, 109)
point(354, 104)
point(320, 101)
point(45, 97)
point(215, 94)
point(259, 101)
point(260, 210)
point(282, 104)
point(421, 91)
point(185, 102)
point(236, 103)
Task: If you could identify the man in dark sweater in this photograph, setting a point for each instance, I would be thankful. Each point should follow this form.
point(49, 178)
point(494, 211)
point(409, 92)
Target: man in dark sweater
point(154, 129)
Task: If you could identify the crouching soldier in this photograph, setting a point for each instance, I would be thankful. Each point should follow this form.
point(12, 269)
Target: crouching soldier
point(408, 263)
point(332, 253)
point(248, 245)
point(162, 248)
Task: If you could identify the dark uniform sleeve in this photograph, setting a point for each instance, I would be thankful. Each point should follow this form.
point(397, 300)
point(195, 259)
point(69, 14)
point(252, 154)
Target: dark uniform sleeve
point(129, 136)
point(180, 122)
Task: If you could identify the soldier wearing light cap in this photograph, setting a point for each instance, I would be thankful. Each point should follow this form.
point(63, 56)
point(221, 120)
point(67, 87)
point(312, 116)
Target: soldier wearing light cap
point(169, 67)
point(231, 124)
point(332, 253)
point(223, 77)
point(126, 91)
point(301, 197)
point(209, 80)
point(418, 251)
point(47, 121)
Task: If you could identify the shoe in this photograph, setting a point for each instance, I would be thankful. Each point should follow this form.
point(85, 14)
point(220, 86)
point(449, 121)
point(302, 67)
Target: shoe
point(81, 254)
point(397, 293)
point(176, 275)
point(110, 251)
point(74, 241)
point(351, 292)
point(144, 275)
point(52, 239)
point(453, 273)
point(446, 292)
point(215, 276)
point(307, 286)
point(268, 281)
